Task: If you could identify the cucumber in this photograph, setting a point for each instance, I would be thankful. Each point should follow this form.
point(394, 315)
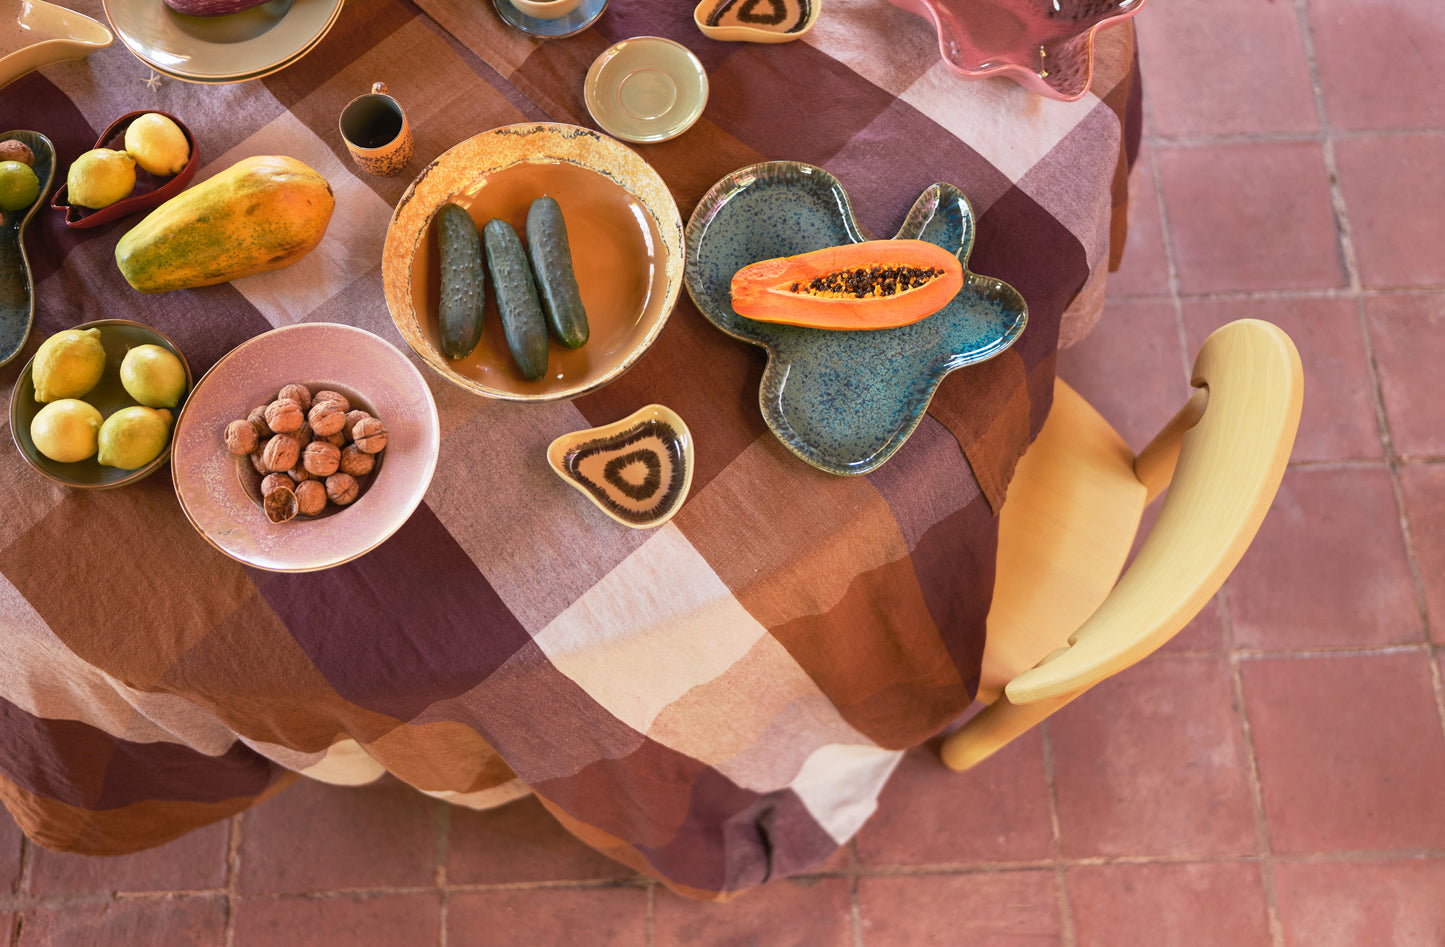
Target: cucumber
point(463, 283)
point(552, 265)
point(522, 321)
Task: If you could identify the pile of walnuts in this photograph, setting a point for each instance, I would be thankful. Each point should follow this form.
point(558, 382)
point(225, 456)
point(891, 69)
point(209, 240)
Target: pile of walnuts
point(311, 450)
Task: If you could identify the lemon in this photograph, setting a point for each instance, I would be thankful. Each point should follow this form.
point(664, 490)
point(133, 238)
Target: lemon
point(19, 187)
point(157, 144)
point(66, 430)
point(100, 177)
point(152, 375)
point(68, 364)
point(133, 437)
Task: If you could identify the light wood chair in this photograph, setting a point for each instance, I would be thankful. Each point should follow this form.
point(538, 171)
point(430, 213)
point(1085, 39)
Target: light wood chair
point(1063, 618)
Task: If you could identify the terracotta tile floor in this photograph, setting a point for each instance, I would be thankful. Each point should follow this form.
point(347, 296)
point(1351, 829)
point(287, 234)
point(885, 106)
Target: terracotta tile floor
point(1275, 776)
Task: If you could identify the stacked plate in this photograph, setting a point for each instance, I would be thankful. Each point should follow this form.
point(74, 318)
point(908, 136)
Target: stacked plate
point(233, 47)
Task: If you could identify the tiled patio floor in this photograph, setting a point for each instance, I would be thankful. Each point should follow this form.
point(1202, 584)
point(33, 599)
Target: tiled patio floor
point(1275, 777)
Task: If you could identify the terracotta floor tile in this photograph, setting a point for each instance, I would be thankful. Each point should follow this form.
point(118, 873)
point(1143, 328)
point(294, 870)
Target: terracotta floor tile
point(1131, 367)
point(381, 920)
point(1152, 762)
point(1362, 48)
point(808, 913)
point(1144, 270)
point(1350, 751)
point(930, 815)
point(1249, 217)
point(315, 837)
point(1348, 903)
point(540, 917)
point(1386, 180)
point(1338, 420)
point(180, 922)
point(1409, 338)
point(192, 862)
point(1203, 57)
point(521, 842)
point(1328, 567)
point(1000, 909)
point(1219, 904)
point(1424, 488)
point(10, 843)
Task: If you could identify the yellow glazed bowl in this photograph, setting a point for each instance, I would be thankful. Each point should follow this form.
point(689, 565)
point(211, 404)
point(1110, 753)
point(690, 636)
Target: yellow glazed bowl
point(623, 228)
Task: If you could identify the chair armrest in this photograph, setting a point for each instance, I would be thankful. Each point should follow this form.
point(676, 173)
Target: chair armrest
point(1229, 468)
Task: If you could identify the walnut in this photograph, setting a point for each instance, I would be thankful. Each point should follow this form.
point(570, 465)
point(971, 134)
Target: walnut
point(341, 488)
point(299, 473)
point(370, 435)
point(353, 416)
point(241, 437)
point(337, 440)
point(356, 461)
point(310, 497)
point(280, 504)
point(13, 149)
point(321, 458)
point(258, 462)
point(332, 397)
point(280, 453)
point(258, 418)
point(284, 416)
point(326, 418)
point(297, 393)
point(276, 481)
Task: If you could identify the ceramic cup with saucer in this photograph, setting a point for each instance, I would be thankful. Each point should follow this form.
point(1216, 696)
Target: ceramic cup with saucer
point(376, 132)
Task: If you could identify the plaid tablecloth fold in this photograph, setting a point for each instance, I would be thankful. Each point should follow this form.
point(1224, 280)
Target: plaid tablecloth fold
point(715, 702)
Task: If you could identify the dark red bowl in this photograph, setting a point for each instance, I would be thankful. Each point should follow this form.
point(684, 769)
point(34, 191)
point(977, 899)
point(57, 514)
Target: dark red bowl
point(150, 190)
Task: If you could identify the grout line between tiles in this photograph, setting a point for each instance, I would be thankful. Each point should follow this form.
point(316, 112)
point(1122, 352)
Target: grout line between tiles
point(443, 849)
point(1067, 935)
point(231, 879)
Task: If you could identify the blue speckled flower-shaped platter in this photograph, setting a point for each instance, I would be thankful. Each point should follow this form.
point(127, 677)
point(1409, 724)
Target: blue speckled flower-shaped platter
point(844, 401)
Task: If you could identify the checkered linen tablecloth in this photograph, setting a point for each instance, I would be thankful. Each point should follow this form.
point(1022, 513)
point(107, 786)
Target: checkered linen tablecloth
point(715, 702)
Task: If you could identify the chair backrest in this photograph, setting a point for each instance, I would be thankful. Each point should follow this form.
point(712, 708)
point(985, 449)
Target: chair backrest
point(1227, 450)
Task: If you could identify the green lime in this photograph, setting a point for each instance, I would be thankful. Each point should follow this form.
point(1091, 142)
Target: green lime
point(19, 187)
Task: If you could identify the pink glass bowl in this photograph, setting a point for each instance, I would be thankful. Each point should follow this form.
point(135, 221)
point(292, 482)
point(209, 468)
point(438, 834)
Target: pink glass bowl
point(1046, 46)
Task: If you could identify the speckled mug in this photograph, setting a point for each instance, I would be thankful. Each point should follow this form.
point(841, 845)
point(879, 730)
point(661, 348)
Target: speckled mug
point(376, 132)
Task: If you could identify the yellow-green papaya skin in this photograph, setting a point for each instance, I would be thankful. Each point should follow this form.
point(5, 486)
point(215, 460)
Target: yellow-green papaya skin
point(262, 213)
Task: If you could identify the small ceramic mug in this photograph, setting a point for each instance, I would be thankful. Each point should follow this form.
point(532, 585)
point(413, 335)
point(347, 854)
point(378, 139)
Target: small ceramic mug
point(376, 132)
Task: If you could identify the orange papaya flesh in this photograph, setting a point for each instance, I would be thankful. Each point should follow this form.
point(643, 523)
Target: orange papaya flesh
point(875, 284)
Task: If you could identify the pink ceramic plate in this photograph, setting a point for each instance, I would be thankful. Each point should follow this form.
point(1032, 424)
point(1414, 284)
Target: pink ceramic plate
point(150, 190)
point(1047, 46)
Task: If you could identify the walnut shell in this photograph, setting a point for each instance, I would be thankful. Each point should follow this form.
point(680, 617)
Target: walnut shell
point(310, 497)
point(297, 393)
point(321, 458)
point(280, 504)
point(341, 488)
point(276, 481)
point(281, 453)
point(284, 416)
point(356, 461)
point(353, 416)
point(333, 397)
point(241, 437)
point(258, 418)
point(370, 435)
point(326, 418)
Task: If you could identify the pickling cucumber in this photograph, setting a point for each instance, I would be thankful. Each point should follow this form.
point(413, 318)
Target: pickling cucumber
point(552, 266)
point(463, 282)
point(523, 324)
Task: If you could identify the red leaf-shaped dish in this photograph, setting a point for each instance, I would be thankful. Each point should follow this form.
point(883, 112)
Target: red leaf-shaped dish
point(150, 190)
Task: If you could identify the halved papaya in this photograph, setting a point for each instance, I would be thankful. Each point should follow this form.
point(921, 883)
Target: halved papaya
point(875, 284)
